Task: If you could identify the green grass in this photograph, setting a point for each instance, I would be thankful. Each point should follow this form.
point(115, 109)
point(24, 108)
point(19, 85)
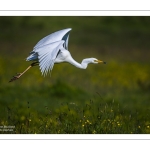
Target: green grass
point(111, 98)
point(95, 116)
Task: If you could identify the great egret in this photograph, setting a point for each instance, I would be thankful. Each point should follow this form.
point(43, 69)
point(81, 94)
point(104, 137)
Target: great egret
point(54, 49)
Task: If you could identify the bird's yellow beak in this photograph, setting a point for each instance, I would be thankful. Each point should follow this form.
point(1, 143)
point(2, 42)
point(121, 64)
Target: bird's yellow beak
point(100, 61)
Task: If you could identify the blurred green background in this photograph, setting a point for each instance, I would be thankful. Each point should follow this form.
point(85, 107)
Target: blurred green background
point(123, 42)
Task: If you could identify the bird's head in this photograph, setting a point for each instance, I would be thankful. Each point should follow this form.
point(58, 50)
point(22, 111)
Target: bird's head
point(96, 61)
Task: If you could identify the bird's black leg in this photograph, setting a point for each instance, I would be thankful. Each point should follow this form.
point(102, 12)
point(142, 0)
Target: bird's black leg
point(34, 64)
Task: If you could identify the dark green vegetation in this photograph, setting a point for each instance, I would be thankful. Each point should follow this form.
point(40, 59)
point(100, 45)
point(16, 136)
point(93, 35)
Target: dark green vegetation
point(112, 98)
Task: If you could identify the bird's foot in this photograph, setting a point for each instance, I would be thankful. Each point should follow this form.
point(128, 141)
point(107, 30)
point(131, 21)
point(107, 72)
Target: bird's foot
point(17, 76)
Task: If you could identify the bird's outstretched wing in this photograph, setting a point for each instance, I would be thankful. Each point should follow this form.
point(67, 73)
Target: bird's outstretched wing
point(46, 50)
point(46, 57)
point(54, 37)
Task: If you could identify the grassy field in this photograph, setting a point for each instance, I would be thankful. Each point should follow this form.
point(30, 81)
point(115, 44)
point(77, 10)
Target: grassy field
point(111, 98)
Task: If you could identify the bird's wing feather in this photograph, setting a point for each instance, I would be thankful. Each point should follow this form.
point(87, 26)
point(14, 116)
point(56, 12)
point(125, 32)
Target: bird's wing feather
point(54, 37)
point(46, 50)
point(47, 55)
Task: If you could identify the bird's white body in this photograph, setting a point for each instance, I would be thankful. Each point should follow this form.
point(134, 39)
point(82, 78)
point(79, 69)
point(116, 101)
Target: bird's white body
point(54, 49)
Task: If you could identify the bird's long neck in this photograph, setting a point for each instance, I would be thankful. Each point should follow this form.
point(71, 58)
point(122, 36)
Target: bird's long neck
point(83, 64)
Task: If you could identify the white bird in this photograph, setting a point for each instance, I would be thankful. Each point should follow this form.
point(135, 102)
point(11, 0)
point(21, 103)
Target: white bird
point(54, 49)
